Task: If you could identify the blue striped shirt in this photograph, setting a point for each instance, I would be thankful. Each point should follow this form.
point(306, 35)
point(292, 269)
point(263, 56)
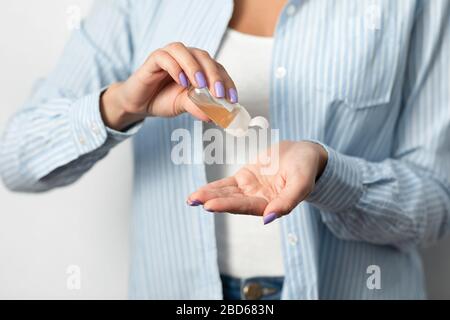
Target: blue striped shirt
point(367, 79)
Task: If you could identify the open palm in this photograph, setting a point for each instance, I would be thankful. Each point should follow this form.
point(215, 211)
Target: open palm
point(253, 192)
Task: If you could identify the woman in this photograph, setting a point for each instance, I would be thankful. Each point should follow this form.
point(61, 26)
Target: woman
point(359, 93)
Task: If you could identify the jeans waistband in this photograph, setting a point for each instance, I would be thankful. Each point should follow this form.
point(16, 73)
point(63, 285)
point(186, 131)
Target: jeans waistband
point(255, 288)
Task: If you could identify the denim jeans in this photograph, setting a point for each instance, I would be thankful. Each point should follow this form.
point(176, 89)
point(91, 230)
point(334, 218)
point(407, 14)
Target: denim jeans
point(257, 288)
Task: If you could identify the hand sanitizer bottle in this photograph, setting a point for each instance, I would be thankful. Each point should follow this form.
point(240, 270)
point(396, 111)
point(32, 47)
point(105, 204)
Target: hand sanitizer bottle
point(234, 118)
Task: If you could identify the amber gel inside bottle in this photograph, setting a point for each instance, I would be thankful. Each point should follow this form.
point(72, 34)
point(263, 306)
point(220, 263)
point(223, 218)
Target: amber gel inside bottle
point(234, 118)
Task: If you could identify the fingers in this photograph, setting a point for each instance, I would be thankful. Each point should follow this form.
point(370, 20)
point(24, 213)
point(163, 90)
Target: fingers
point(219, 82)
point(204, 195)
point(188, 63)
point(190, 66)
point(225, 196)
point(158, 61)
point(225, 182)
point(239, 205)
point(224, 187)
point(230, 87)
point(295, 191)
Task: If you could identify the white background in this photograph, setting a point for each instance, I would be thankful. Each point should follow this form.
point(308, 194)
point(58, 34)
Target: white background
point(86, 224)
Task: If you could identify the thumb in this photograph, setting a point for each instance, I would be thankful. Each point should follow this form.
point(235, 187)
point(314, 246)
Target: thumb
point(190, 107)
point(289, 197)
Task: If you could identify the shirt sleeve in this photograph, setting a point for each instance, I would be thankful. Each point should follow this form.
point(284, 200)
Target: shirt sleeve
point(403, 201)
point(59, 133)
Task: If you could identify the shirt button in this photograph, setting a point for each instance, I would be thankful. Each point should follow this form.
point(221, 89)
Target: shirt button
point(290, 10)
point(292, 239)
point(94, 128)
point(280, 73)
point(81, 140)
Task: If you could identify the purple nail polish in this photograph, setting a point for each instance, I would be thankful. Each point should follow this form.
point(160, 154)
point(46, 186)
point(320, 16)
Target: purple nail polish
point(183, 79)
point(195, 203)
point(220, 89)
point(201, 80)
point(209, 210)
point(233, 95)
point(270, 217)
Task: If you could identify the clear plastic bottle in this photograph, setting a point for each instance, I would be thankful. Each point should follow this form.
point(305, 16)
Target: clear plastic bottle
point(234, 118)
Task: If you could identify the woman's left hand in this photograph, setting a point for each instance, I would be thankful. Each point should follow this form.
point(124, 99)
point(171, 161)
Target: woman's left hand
point(252, 192)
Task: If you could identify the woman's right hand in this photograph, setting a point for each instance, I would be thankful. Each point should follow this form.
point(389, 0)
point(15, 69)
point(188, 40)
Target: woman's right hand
point(159, 87)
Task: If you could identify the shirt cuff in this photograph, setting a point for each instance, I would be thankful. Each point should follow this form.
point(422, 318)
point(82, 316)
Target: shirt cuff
point(88, 128)
point(119, 136)
point(340, 186)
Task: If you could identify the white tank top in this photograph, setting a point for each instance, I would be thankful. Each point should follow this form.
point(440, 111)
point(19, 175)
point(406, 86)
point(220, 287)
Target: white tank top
point(246, 247)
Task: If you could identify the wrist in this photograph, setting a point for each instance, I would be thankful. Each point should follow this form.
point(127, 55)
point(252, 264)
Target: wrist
point(323, 160)
point(113, 110)
point(322, 157)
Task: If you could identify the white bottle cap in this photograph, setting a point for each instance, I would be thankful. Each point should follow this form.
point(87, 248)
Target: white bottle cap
point(242, 121)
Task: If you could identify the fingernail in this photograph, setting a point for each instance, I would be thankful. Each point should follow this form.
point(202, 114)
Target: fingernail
point(194, 203)
point(220, 89)
point(183, 79)
point(270, 218)
point(233, 95)
point(201, 80)
point(209, 210)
